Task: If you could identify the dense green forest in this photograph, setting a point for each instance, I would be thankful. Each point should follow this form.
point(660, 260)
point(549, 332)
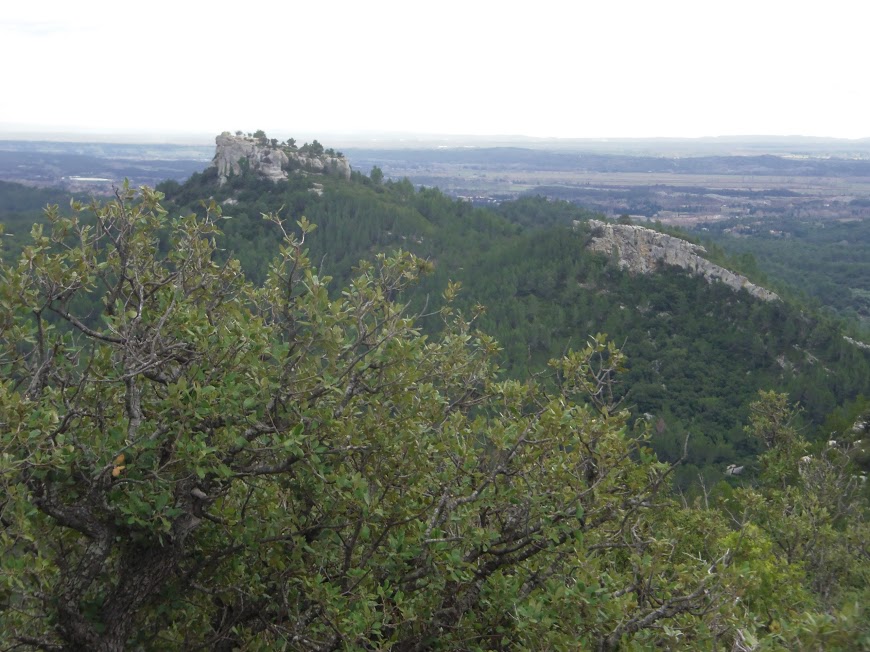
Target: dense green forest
point(697, 353)
point(20, 204)
point(826, 262)
point(222, 430)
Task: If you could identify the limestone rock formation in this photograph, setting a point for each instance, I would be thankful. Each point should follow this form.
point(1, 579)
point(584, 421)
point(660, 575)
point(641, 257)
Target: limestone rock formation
point(271, 162)
point(643, 251)
point(854, 342)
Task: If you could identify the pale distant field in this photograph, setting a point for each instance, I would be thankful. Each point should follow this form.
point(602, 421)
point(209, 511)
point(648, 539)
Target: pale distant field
point(526, 179)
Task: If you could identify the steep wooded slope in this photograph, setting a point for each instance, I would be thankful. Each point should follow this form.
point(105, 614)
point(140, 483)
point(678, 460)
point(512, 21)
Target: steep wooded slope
point(698, 349)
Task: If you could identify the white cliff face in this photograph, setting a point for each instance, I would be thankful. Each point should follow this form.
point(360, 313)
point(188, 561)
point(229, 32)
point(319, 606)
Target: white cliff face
point(643, 251)
point(273, 163)
point(860, 345)
point(230, 150)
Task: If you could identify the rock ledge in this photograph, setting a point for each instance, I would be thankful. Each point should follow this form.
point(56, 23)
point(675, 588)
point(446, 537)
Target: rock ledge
point(274, 162)
point(643, 251)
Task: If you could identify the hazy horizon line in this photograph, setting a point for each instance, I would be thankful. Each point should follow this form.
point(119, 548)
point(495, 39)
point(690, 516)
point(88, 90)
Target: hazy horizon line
point(361, 138)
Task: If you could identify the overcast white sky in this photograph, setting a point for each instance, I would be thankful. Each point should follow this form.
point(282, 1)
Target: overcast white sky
point(602, 68)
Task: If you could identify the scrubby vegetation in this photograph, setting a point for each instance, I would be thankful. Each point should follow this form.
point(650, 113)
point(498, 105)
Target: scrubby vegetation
point(223, 431)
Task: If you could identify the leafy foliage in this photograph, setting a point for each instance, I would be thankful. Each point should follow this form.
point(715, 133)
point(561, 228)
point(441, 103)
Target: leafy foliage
point(697, 353)
point(207, 463)
point(192, 460)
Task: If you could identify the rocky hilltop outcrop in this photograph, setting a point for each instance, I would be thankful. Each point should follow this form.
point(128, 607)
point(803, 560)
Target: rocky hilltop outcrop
point(643, 251)
point(273, 162)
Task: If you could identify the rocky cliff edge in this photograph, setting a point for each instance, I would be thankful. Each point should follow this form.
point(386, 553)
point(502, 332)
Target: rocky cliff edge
point(273, 162)
point(643, 251)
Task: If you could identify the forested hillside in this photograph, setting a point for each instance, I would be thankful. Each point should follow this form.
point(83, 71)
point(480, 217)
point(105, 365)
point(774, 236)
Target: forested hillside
point(192, 460)
point(826, 263)
point(697, 353)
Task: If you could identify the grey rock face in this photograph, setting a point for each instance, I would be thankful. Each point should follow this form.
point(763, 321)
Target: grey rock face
point(643, 251)
point(860, 345)
point(273, 163)
point(230, 151)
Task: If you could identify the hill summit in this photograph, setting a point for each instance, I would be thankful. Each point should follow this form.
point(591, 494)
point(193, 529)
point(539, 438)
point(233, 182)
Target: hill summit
point(273, 159)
